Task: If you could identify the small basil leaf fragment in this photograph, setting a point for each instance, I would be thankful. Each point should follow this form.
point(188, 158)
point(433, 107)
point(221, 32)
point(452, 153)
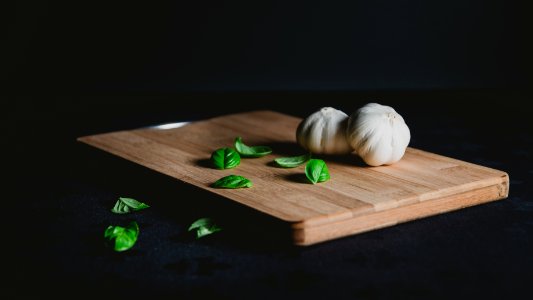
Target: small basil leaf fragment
point(122, 238)
point(232, 182)
point(292, 162)
point(316, 171)
point(251, 151)
point(225, 158)
point(203, 227)
point(127, 205)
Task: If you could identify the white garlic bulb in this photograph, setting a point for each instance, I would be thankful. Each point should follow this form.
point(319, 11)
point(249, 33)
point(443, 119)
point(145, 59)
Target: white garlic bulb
point(378, 134)
point(324, 132)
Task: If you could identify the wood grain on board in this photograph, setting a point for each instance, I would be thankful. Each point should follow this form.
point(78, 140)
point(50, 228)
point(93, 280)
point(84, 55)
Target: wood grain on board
point(358, 198)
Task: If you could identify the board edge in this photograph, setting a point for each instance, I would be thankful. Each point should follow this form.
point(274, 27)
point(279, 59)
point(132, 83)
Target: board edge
point(306, 236)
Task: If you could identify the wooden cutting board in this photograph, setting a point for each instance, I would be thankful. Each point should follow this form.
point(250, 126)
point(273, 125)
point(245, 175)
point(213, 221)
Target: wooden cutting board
point(358, 198)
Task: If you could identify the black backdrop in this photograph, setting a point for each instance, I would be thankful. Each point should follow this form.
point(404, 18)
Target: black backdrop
point(271, 45)
point(456, 70)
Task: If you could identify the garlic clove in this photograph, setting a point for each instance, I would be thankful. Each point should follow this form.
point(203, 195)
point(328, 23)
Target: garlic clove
point(378, 134)
point(324, 132)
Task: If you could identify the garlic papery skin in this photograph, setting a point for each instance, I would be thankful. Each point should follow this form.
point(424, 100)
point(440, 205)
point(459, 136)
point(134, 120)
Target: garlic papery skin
point(378, 134)
point(324, 132)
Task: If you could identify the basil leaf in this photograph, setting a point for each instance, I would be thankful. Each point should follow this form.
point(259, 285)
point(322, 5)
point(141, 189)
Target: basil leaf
point(225, 158)
point(127, 205)
point(292, 162)
point(251, 151)
point(204, 226)
point(316, 171)
point(122, 238)
point(232, 182)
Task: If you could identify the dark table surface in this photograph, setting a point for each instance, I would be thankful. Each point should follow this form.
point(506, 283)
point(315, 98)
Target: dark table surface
point(59, 195)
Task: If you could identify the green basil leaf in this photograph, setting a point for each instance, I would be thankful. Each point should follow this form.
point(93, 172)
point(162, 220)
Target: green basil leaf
point(225, 158)
point(232, 182)
point(200, 223)
point(203, 227)
point(127, 205)
point(251, 151)
point(122, 238)
point(316, 171)
point(292, 162)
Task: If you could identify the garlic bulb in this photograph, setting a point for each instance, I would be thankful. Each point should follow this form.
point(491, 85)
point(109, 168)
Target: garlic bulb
point(378, 134)
point(324, 132)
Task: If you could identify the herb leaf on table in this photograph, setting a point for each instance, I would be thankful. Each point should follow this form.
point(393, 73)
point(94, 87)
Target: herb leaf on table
point(127, 205)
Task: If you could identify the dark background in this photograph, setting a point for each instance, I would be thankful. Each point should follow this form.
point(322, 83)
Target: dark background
point(459, 72)
point(272, 45)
